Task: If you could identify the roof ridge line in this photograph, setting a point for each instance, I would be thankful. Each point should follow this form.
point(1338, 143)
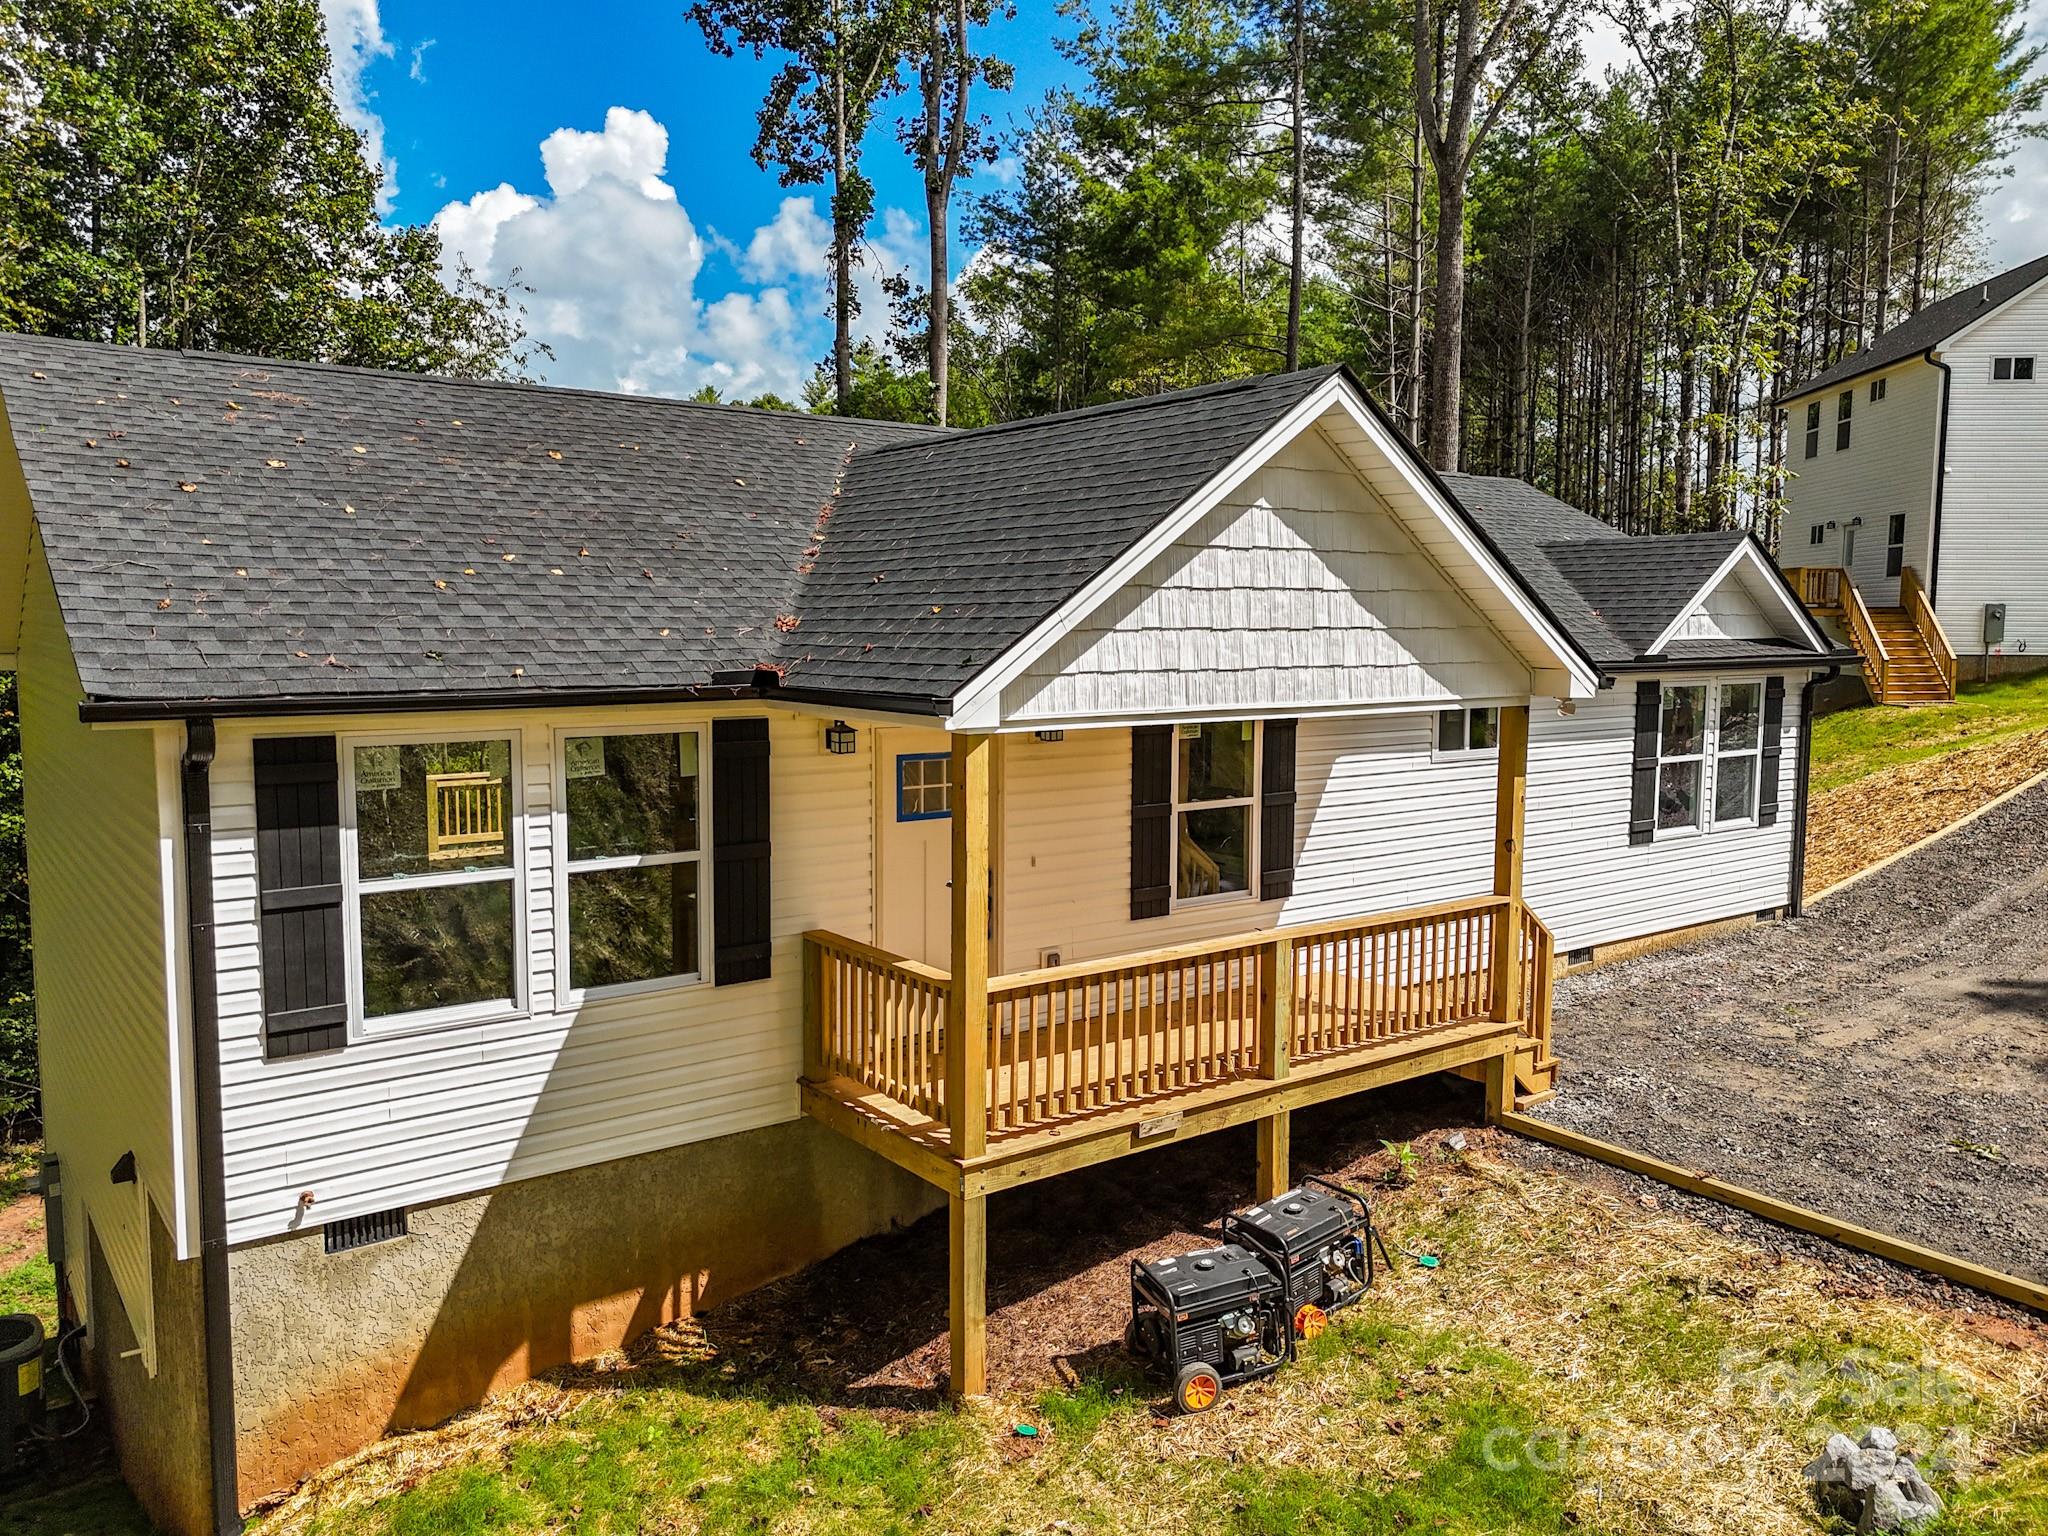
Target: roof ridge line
point(534, 386)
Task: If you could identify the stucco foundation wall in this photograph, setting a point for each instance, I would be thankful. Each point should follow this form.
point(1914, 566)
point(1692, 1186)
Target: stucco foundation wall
point(333, 1351)
point(158, 1422)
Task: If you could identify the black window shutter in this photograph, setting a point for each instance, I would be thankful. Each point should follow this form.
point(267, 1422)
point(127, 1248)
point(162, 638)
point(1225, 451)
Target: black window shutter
point(1642, 800)
point(1276, 811)
point(739, 851)
point(298, 882)
point(1151, 820)
point(1774, 724)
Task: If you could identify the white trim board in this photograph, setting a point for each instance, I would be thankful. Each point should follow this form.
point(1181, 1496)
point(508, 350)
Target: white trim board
point(1769, 578)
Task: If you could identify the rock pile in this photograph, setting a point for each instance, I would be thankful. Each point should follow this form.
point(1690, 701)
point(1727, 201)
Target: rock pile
point(1871, 1485)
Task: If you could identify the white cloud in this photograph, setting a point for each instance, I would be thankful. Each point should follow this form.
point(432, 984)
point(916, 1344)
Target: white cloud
point(418, 70)
point(797, 242)
point(616, 264)
point(355, 40)
point(2016, 209)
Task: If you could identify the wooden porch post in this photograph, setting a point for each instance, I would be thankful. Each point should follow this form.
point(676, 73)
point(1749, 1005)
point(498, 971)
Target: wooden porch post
point(1511, 790)
point(967, 1059)
point(1276, 1043)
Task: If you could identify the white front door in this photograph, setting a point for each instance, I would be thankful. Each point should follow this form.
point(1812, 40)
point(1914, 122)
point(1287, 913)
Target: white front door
point(914, 845)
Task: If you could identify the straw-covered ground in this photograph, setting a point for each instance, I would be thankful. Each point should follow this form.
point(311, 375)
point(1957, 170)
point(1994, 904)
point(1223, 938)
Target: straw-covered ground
point(1585, 1358)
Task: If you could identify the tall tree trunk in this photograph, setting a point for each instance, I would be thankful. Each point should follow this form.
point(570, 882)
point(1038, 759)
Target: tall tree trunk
point(1887, 223)
point(1447, 333)
point(843, 236)
point(1297, 196)
point(1920, 239)
point(1414, 392)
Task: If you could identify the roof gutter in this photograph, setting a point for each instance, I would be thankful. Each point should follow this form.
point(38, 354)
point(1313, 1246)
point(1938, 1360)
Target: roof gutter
point(196, 799)
point(1834, 659)
point(100, 711)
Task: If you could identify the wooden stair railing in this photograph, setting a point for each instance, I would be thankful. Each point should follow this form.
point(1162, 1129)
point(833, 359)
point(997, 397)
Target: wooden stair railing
point(1913, 598)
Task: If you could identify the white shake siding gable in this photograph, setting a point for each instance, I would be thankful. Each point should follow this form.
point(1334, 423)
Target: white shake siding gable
point(1888, 468)
point(1585, 879)
point(105, 956)
point(405, 1117)
point(1300, 591)
point(1994, 513)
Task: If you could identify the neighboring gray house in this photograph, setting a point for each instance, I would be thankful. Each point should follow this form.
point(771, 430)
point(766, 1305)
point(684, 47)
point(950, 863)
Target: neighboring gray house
point(515, 865)
point(1915, 494)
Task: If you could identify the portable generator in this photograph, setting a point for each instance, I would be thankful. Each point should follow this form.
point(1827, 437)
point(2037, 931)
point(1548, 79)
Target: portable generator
point(1210, 1320)
point(1319, 1239)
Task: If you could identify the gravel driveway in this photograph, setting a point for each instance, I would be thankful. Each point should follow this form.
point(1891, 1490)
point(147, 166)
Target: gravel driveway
point(1884, 1059)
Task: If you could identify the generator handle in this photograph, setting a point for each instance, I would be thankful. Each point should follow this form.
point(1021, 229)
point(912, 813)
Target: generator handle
point(1342, 1191)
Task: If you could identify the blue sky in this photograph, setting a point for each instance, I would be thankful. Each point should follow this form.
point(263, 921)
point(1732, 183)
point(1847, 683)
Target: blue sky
point(605, 153)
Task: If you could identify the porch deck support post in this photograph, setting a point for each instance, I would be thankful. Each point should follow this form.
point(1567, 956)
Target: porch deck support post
point(1510, 805)
point(967, 1058)
point(1276, 1042)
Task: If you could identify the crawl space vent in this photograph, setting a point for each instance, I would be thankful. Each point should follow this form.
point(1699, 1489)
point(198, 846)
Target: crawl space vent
point(361, 1231)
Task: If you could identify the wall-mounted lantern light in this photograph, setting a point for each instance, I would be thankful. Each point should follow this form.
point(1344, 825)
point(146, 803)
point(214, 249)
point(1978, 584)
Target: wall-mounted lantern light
point(839, 739)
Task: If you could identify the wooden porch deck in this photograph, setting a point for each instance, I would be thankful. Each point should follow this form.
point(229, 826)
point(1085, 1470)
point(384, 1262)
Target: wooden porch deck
point(1093, 1061)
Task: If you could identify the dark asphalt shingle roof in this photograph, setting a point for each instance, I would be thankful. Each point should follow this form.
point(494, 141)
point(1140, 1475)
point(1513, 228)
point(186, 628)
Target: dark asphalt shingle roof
point(944, 552)
point(1928, 327)
point(353, 533)
point(426, 534)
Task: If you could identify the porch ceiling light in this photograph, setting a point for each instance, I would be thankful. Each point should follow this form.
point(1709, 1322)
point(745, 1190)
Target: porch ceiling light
point(839, 739)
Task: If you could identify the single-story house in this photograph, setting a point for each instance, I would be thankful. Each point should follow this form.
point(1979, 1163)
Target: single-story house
point(513, 865)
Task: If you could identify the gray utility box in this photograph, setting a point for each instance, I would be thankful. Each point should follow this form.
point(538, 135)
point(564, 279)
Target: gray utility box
point(1994, 625)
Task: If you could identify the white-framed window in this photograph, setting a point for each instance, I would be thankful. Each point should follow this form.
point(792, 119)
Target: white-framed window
point(1813, 429)
point(433, 875)
point(1877, 389)
point(1817, 534)
point(632, 890)
point(2013, 370)
point(1738, 742)
point(1467, 731)
point(1845, 403)
point(1709, 755)
point(1215, 796)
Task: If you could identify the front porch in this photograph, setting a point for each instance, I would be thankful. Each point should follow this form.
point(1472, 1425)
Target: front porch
point(978, 1083)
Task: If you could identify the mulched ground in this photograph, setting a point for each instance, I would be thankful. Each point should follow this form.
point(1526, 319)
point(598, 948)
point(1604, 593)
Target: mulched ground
point(866, 1327)
point(1855, 825)
point(1884, 1059)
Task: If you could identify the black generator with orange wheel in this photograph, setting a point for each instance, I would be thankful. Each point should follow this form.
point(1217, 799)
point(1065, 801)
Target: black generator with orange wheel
point(1319, 1238)
point(1209, 1320)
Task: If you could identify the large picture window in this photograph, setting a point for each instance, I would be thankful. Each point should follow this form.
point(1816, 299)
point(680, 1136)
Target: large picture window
point(435, 877)
point(1214, 790)
point(633, 857)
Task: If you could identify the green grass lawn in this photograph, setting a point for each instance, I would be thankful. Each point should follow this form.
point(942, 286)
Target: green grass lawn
point(1857, 742)
point(1579, 1363)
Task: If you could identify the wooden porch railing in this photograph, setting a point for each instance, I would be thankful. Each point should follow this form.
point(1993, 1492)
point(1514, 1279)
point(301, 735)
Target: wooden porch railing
point(1913, 598)
point(1818, 586)
point(1112, 1033)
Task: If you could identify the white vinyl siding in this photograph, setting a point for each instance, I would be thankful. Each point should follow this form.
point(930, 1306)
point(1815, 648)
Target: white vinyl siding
point(1890, 469)
point(422, 1115)
point(1994, 517)
point(102, 845)
point(1732, 612)
point(1584, 878)
point(1379, 823)
point(1300, 591)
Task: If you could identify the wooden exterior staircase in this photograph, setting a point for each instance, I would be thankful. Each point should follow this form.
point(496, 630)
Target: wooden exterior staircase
point(1907, 658)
